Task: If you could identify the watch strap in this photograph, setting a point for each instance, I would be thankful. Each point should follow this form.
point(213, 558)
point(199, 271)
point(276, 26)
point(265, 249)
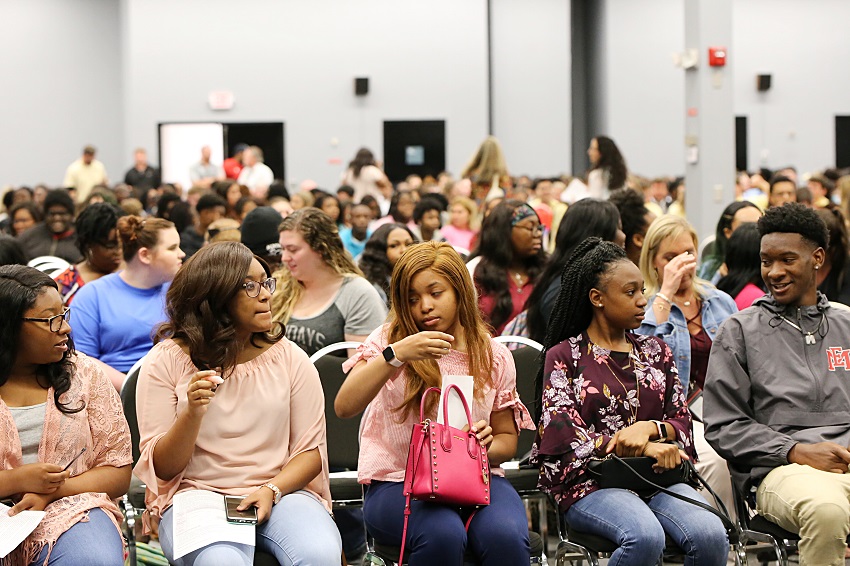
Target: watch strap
point(390, 357)
point(276, 490)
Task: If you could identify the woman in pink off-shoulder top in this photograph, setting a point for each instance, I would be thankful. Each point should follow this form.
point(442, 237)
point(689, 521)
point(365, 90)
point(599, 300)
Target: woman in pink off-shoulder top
point(64, 442)
point(227, 404)
point(435, 329)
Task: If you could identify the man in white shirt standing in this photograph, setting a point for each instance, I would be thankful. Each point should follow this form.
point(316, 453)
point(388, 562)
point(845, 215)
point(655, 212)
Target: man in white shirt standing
point(256, 175)
point(85, 173)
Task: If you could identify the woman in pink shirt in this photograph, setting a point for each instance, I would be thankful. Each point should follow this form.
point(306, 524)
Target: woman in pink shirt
point(463, 223)
point(227, 404)
point(64, 442)
point(434, 329)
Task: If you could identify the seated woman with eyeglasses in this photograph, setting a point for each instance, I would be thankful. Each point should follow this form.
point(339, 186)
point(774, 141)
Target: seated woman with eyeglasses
point(97, 240)
point(65, 446)
point(505, 269)
point(260, 433)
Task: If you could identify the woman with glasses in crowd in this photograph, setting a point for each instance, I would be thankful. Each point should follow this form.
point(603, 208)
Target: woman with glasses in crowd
point(116, 314)
point(226, 404)
point(97, 240)
point(435, 329)
point(505, 269)
point(65, 446)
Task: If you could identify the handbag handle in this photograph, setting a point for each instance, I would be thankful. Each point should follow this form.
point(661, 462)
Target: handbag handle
point(445, 404)
point(446, 437)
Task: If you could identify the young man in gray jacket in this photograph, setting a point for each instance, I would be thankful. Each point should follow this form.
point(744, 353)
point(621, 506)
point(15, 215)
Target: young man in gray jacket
point(777, 392)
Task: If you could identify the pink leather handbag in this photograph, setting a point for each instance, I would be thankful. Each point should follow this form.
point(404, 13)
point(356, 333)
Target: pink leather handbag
point(445, 464)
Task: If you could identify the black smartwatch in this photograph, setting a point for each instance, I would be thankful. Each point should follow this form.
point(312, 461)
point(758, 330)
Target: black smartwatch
point(389, 357)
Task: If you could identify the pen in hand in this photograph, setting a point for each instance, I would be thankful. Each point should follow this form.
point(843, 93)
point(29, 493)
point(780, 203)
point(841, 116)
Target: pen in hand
point(74, 459)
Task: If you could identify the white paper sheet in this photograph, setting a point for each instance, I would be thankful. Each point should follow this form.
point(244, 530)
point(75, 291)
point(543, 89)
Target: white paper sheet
point(457, 416)
point(13, 530)
point(199, 520)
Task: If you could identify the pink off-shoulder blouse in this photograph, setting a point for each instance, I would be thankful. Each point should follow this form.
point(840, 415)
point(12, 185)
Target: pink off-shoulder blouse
point(270, 410)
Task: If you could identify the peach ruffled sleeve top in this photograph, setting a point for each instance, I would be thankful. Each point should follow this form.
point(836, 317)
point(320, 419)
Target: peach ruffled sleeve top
point(384, 441)
point(268, 411)
point(100, 428)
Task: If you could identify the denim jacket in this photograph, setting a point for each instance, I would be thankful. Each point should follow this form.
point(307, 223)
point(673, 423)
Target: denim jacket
point(717, 306)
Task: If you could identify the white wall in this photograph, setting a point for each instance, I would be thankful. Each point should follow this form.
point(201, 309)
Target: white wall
point(531, 84)
point(802, 44)
point(295, 62)
point(61, 69)
point(806, 47)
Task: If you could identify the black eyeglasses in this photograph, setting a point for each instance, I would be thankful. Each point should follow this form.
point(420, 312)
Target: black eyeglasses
point(252, 288)
point(536, 229)
point(55, 321)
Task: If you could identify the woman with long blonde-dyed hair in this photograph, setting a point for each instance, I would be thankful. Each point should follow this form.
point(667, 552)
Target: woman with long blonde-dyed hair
point(435, 329)
point(443, 261)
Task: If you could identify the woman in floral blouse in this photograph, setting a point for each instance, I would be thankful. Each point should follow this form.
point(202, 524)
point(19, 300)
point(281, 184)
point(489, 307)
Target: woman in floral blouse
point(607, 390)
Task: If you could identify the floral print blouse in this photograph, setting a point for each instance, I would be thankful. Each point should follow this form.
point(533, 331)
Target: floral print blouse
point(589, 394)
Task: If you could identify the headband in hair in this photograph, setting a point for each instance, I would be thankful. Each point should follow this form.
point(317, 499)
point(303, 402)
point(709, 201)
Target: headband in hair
point(522, 212)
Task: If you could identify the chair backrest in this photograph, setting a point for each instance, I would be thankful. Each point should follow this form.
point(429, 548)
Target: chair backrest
point(343, 434)
point(520, 340)
point(128, 400)
point(526, 360)
point(51, 265)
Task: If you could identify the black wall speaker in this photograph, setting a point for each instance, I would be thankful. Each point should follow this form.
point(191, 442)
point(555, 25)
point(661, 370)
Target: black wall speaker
point(361, 86)
point(763, 83)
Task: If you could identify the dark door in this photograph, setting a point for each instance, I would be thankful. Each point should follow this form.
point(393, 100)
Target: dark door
point(268, 136)
point(414, 147)
point(741, 143)
point(842, 141)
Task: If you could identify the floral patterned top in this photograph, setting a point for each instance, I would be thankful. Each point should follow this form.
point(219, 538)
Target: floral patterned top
point(589, 394)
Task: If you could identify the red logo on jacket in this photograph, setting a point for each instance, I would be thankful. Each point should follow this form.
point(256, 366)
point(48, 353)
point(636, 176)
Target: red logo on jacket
point(837, 358)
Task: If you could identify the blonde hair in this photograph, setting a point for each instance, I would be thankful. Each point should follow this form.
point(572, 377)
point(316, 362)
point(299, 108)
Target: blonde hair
point(666, 228)
point(322, 235)
point(443, 260)
point(487, 162)
point(223, 230)
point(470, 206)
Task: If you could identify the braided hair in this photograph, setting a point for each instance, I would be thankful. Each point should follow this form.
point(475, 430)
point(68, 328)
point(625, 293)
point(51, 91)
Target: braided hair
point(573, 312)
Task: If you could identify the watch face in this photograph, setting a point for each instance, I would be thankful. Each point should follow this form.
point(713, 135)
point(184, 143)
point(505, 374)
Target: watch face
point(389, 354)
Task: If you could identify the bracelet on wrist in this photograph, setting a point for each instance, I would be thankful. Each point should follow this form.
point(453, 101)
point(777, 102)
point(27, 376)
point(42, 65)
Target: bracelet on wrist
point(664, 298)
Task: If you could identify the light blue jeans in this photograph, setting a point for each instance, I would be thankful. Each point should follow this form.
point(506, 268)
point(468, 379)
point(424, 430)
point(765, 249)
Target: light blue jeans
point(94, 543)
point(638, 527)
point(299, 531)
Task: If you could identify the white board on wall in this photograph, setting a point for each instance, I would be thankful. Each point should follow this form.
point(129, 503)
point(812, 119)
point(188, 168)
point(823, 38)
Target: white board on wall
point(180, 147)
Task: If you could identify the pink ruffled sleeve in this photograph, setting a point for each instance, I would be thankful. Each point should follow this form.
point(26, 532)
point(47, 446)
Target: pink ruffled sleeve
point(504, 379)
point(156, 404)
point(372, 347)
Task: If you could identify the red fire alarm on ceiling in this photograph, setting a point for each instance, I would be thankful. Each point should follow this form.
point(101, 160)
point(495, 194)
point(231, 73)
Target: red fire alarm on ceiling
point(717, 56)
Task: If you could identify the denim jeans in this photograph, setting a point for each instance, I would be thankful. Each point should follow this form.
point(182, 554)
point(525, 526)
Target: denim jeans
point(498, 533)
point(638, 527)
point(95, 542)
point(299, 531)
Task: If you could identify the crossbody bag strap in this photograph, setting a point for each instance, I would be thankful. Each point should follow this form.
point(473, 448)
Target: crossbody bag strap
point(413, 460)
point(730, 527)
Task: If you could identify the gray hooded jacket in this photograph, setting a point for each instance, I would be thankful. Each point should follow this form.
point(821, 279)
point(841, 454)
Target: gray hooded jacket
point(768, 389)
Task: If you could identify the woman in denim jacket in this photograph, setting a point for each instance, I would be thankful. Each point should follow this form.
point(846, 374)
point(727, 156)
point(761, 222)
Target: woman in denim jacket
point(686, 312)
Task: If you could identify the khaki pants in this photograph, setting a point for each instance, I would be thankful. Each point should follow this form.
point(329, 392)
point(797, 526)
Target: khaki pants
point(810, 502)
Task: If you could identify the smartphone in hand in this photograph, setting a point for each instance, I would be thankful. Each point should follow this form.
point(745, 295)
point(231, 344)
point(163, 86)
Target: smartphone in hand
point(248, 516)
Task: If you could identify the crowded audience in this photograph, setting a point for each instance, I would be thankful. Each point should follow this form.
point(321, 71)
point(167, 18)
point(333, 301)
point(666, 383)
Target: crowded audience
point(640, 321)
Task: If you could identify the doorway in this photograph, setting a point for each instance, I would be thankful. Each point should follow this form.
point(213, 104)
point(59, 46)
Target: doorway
point(414, 147)
point(268, 136)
